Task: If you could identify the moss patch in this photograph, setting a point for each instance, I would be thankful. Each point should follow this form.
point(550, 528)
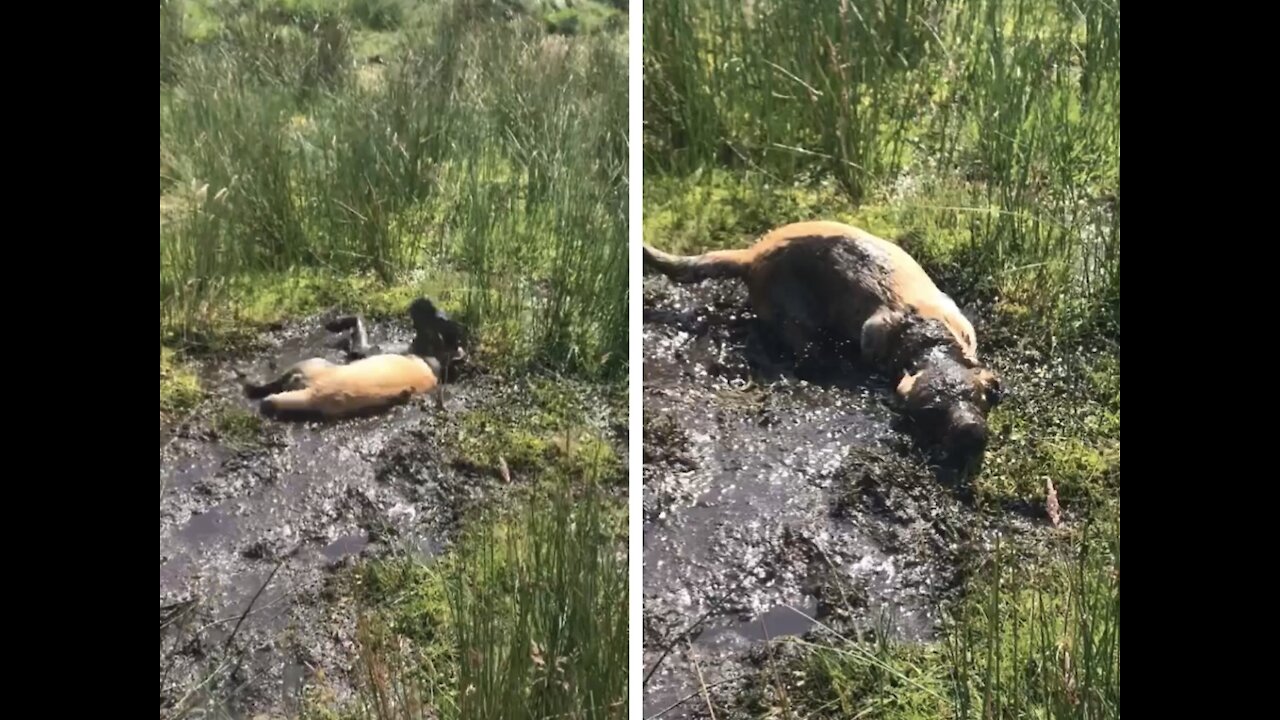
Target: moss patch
point(237, 428)
point(180, 388)
point(253, 303)
point(543, 436)
point(1060, 423)
point(720, 209)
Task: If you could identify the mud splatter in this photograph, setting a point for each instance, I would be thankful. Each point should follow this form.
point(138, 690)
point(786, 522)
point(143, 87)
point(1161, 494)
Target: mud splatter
point(765, 495)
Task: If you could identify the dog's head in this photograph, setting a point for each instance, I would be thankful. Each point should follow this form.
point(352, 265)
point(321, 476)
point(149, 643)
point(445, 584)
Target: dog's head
point(949, 398)
point(436, 334)
point(945, 391)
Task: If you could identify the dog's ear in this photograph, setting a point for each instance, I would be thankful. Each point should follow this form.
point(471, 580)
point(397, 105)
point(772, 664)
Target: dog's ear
point(905, 385)
point(992, 387)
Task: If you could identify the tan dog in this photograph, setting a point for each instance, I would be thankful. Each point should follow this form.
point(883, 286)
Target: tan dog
point(376, 377)
point(819, 282)
point(317, 386)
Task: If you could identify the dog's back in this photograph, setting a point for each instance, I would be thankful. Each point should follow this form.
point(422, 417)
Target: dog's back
point(836, 274)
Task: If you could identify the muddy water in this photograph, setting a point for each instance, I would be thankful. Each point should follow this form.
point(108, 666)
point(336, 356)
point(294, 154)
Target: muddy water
point(769, 500)
point(290, 506)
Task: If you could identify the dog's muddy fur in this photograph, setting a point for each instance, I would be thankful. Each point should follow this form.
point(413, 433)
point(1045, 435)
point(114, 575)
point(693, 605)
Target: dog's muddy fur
point(297, 504)
point(764, 492)
point(373, 378)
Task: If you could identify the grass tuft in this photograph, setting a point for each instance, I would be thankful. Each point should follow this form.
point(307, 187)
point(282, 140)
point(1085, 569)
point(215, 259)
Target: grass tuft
point(526, 618)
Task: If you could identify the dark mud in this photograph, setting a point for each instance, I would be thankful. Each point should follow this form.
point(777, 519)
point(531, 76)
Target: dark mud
point(771, 501)
point(295, 503)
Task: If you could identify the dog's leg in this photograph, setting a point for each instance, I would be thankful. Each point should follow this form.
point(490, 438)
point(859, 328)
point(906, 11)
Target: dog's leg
point(357, 342)
point(293, 378)
point(878, 335)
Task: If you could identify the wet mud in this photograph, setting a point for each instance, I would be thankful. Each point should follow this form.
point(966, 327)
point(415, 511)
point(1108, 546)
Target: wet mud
point(256, 526)
point(771, 502)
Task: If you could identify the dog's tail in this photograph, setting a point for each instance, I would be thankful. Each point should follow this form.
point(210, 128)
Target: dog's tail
point(696, 268)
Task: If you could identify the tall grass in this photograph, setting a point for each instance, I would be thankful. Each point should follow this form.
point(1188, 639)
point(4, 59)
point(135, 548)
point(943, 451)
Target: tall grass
point(1042, 649)
point(537, 624)
point(1001, 118)
point(485, 149)
point(1041, 643)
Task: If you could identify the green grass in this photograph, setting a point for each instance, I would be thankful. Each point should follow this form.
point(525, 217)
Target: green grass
point(1032, 639)
point(985, 138)
point(237, 428)
point(485, 151)
point(179, 386)
point(525, 618)
point(526, 615)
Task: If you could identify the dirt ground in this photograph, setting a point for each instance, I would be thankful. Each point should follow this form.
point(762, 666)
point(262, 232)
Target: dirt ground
point(770, 502)
point(262, 516)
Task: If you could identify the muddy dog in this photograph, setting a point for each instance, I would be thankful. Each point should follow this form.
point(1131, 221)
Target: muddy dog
point(823, 285)
point(374, 377)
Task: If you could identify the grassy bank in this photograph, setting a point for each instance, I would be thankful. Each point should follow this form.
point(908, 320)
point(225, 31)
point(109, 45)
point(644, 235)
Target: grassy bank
point(528, 619)
point(351, 154)
point(985, 137)
point(526, 616)
point(479, 157)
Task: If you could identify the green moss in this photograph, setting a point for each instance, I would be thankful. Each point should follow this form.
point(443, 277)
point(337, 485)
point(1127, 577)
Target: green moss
point(269, 300)
point(180, 388)
point(1085, 471)
point(1059, 423)
point(409, 595)
point(253, 303)
point(237, 427)
point(543, 437)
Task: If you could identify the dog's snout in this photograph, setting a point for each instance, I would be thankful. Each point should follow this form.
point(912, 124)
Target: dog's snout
point(969, 437)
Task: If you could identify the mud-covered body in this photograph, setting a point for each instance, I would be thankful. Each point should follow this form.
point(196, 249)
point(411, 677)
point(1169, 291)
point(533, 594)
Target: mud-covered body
point(375, 377)
point(318, 386)
point(827, 280)
point(823, 285)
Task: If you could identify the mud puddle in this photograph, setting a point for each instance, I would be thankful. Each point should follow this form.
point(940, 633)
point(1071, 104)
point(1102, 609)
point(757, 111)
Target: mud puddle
point(290, 503)
point(770, 501)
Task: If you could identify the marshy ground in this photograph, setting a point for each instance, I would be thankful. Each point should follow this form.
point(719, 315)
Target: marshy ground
point(985, 138)
point(262, 522)
point(771, 503)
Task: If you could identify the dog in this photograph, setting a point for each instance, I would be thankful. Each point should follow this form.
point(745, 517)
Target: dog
point(374, 378)
point(823, 284)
